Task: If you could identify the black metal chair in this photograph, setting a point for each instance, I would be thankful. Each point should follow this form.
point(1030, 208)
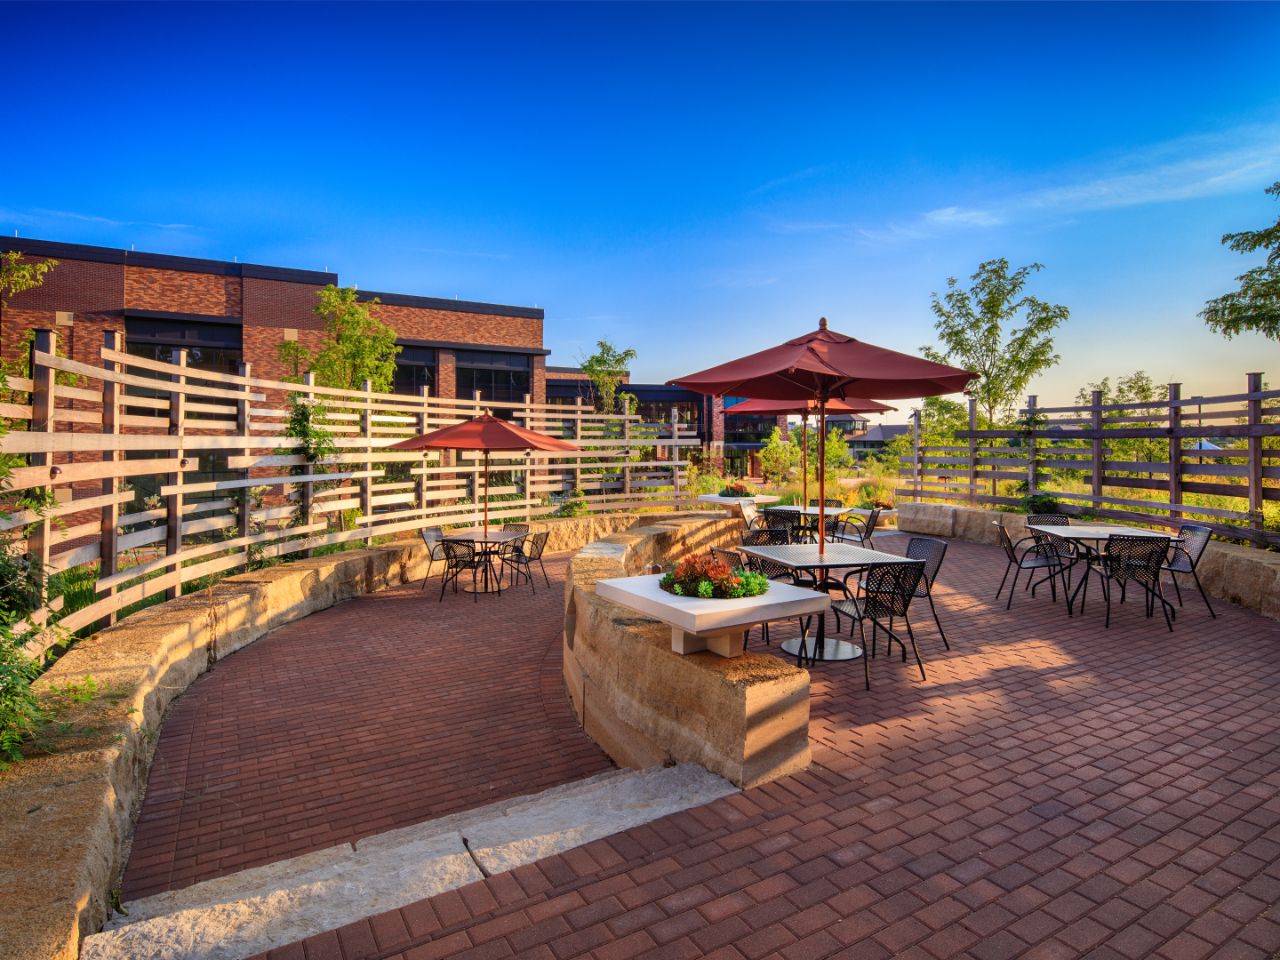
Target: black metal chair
point(829, 502)
point(931, 552)
point(515, 528)
point(730, 557)
point(792, 521)
point(507, 554)
point(885, 594)
point(1184, 557)
point(525, 555)
point(858, 531)
point(1022, 558)
point(433, 538)
point(1065, 555)
point(460, 556)
point(1137, 560)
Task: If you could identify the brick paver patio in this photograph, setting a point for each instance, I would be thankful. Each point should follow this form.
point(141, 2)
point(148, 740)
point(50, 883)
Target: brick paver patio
point(378, 713)
point(1054, 790)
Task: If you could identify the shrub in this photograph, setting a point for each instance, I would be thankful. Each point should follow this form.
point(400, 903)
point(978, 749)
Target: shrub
point(708, 577)
point(1040, 503)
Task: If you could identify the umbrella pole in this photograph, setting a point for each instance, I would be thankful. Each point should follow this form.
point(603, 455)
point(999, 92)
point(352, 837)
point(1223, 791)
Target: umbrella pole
point(822, 477)
point(486, 491)
point(804, 457)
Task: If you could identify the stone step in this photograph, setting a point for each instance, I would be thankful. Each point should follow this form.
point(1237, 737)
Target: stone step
point(236, 916)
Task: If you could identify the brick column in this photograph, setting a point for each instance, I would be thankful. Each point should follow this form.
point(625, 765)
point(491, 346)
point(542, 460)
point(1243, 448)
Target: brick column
point(717, 419)
point(446, 375)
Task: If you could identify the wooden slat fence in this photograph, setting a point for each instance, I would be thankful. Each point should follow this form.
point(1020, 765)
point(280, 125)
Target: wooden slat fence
point(227, 487)
point(1135, 462)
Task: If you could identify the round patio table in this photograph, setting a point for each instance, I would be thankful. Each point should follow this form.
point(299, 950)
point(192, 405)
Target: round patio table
point(487, 543)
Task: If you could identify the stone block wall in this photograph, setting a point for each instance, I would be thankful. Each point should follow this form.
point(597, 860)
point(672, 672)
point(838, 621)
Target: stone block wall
point(745, 718)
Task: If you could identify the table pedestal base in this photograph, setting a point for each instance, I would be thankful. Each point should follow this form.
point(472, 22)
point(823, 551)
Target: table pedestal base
point(729, 644)
point(831, 649)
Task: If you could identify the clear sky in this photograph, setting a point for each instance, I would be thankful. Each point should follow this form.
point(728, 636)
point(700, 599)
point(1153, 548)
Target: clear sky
point(695, 181)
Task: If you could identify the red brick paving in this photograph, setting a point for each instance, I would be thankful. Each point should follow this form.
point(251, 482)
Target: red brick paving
point(1054, 790)
point(378, 713)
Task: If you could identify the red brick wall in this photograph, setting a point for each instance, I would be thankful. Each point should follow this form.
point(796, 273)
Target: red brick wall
point(538, 380)
point(419, 323)
point(176, 291)
point(93, 292)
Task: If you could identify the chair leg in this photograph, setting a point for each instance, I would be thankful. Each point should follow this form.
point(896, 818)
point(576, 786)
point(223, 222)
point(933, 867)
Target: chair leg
point(544, 572)
point(1176, 589)
point(866, 656)
point(914, 649)
point(937, 622)
point(444, 582)
point(1003, 579)
point(1203, 596)
point(1013, 588)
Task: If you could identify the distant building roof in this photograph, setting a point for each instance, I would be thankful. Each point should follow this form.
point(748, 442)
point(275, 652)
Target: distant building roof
point(883, 432)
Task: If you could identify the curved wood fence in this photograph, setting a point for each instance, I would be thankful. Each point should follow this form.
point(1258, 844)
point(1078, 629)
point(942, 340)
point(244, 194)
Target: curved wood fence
point(147, 477)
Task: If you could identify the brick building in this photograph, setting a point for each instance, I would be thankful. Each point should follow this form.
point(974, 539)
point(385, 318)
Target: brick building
point(224, 313)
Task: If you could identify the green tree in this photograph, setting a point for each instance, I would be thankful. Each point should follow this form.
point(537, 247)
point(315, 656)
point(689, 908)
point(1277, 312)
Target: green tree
point(978, 332)
point(838, 455)
point(17, 274)
point(296, 358)
point(1256, 305)
point(777, 458)
point(940, 420)
point(1137, 387)
point(606, 368)
point(358, 346)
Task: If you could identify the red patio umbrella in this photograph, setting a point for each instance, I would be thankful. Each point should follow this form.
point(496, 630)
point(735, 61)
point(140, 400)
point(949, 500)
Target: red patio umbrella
point(485, 432)
point(803, 408)
point(823, 365)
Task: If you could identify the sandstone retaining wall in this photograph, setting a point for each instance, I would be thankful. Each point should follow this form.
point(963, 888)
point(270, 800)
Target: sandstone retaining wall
point(1243, 575)
point(745, 718)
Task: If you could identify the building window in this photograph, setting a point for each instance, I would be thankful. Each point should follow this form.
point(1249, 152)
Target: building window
point(215, 347)
point(500, 377)
point(210, 346)
point(415, 369)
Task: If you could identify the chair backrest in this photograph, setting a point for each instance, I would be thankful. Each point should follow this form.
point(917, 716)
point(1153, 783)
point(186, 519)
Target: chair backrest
point(888, 588)
point(1006, 543)
point(869, 527)
point(535, 544)
point(459, 550)
point(768, 537)
point(1194, 539)
point(431, 536)
point(732, 558)
point(513, 546)
point(516, 527)
point(929, 550)
point(1049, 519)
point(1136, 558)
point(749, 512)
point(829, 502)
point(789, 520)
point(1051, 546)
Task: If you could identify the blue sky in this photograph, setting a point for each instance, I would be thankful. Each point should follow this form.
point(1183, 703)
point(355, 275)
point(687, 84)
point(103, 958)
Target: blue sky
point(695, 181)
